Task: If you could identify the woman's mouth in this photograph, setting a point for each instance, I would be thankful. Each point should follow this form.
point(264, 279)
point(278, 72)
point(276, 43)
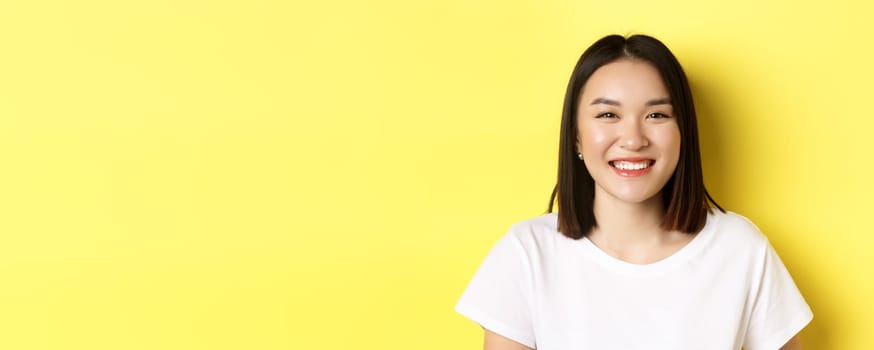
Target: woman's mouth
point(631, 168)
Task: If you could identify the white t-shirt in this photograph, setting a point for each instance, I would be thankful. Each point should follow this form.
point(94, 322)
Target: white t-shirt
point(725, 289)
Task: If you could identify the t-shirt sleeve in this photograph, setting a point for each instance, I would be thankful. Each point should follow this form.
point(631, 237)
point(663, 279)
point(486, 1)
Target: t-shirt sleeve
point(498, 297)
point(779, 311)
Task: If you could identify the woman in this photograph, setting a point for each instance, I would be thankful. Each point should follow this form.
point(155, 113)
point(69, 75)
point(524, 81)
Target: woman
point(638, 255)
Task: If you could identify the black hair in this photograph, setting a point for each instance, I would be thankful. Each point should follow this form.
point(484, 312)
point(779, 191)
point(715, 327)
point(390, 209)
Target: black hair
point(685, 198)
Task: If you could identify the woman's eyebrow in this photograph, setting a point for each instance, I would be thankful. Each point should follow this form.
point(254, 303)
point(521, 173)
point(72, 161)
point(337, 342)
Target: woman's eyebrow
point(655, 102)
point(601, 100)
point(659, 101)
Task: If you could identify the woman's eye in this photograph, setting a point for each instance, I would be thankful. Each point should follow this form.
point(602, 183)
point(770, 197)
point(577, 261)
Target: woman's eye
point(606, 115)
point(658, 115)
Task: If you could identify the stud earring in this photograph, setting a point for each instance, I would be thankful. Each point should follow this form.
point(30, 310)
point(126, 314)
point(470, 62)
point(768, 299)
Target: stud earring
point(580, 155)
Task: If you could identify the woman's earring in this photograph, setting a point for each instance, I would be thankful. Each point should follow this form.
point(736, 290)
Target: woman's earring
point(580, 155)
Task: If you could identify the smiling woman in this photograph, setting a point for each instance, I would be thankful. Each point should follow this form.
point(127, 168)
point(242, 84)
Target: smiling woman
point(626, 128)
point(638, 256)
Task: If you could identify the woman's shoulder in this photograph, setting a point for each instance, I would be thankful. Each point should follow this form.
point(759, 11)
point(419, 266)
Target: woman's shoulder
point(735, 229)
point(536, 230)
point(728, 229)
point(543, 223)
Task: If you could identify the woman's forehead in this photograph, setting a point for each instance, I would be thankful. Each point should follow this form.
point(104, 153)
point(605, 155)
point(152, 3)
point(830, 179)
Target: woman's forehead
point(625, 81)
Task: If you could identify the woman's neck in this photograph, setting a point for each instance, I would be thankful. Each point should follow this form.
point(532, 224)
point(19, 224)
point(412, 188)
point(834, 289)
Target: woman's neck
point(632, 232)
point(631, 223)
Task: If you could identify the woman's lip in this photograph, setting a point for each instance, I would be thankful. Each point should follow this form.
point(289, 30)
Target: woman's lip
point(633, 160)
point(632, 172)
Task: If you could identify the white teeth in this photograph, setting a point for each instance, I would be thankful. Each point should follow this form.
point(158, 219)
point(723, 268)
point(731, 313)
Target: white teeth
point(623, 165)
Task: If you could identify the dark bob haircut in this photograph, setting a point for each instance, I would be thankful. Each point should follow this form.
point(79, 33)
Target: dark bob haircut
point(684, 195)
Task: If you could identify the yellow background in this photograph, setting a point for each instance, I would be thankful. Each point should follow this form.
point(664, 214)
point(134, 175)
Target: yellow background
point(329, 175)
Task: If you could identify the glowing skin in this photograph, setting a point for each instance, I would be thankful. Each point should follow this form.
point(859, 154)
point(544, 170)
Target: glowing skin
point(627, 132)
point(630, 142)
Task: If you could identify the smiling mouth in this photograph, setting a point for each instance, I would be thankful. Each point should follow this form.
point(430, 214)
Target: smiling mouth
point(625, 165)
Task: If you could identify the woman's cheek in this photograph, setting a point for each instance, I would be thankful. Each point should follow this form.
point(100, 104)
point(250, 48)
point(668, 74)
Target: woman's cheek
point(594, 136)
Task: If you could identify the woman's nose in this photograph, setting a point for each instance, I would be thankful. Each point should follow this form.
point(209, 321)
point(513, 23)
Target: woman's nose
point(633, 138)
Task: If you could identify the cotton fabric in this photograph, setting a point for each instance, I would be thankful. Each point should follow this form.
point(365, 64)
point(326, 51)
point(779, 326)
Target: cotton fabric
point(726, 289)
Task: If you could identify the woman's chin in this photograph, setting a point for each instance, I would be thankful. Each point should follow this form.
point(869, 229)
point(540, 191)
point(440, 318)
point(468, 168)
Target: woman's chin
point(632, 196)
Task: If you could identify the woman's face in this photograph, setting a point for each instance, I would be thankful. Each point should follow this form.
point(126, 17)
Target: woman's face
point(627, 131)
